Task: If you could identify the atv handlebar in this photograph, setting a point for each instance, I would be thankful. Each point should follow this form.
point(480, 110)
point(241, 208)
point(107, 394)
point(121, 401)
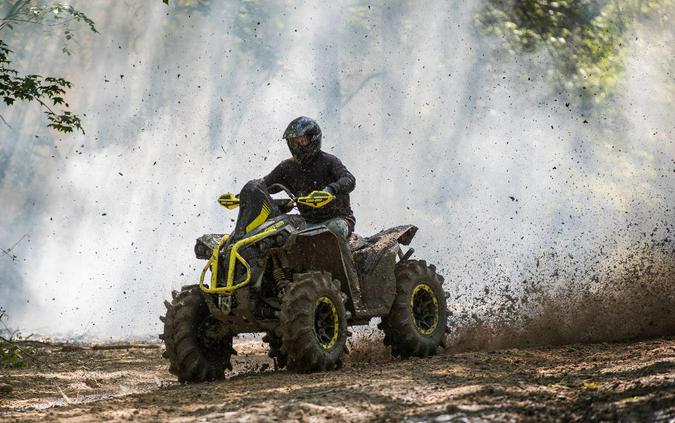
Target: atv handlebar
point(282, 188)
point(315, 199)
point(229, 201)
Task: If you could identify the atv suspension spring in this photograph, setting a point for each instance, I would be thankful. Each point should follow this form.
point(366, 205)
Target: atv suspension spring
point(279, 274)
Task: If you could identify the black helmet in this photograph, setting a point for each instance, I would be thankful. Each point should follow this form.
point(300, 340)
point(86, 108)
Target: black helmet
point(308, 127)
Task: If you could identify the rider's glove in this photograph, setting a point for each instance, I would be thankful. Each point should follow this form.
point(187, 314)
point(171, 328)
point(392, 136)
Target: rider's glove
point(329, 190)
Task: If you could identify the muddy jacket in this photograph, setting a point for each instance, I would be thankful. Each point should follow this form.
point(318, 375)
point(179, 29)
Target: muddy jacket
point(323, 170)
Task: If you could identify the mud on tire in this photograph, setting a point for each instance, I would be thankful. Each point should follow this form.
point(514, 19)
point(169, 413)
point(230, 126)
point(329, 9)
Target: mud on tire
point(313, 323)
point(415, 325)
point(194, 355)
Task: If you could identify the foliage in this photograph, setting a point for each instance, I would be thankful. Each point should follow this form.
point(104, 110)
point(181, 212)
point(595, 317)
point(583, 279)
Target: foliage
point(257, 25)
point(48, 91)
point(36, 88)
point(54, 14)
point(12, 356)
point(584, 38)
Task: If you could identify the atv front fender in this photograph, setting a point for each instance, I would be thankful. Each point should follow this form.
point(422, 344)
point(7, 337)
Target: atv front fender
point(205, 245)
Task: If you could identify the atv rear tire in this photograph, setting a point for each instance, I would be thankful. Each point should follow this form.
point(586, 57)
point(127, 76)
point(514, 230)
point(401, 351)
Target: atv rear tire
point(194, 355)
point(415, 325)
point(313, 323)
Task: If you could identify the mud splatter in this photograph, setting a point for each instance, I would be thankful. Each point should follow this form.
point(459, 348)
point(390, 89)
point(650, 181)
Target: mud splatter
point(619, 292)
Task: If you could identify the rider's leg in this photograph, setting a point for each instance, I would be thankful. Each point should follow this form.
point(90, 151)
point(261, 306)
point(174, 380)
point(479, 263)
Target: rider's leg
point(338, 226)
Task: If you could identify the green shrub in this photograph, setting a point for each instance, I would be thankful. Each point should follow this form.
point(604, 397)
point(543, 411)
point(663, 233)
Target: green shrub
point(12, 356)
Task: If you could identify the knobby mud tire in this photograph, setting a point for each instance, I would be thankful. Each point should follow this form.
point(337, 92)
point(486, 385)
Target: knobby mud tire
point(300, 342)
point(192, 356)
point(401, 331)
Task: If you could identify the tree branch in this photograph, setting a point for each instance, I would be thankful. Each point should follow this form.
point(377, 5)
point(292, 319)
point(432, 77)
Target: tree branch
point(5, 122)
point(6, 252)
point(45, 106)
point(15, 345)
point(16, 9)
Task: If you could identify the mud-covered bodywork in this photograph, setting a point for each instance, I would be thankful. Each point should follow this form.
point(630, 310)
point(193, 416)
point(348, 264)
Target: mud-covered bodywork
point(205, 245)
point(375, 259)
point(365, 263)
point(303, 285)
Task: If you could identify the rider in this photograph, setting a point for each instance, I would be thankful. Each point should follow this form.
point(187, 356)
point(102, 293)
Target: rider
point(311, 169)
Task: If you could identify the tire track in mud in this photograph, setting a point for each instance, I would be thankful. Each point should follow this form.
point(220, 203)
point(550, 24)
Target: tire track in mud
point(628, 381)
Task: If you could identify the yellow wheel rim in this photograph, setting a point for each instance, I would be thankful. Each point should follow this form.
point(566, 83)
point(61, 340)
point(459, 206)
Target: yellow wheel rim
point(424, 309)
point(326, 323)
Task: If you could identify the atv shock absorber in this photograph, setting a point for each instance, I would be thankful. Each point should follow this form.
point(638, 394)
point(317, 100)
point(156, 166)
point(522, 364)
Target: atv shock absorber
point(277, 272)
point(280, 278)
point(279, 275)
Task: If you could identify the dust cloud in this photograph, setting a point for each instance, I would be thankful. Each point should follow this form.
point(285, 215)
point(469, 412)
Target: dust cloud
point(539, 217)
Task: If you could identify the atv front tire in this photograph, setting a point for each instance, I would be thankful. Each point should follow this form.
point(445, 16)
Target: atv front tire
point(194, 348)
point(415, 325)
point(313, 323)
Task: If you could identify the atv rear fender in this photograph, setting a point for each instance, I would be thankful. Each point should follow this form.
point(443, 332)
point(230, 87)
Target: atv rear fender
point(375, 260)
point(367, 263)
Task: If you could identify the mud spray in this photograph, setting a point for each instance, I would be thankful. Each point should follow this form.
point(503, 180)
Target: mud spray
point(548, 227)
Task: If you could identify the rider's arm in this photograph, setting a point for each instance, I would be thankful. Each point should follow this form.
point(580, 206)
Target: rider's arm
point(345, 181)
point(276, 176)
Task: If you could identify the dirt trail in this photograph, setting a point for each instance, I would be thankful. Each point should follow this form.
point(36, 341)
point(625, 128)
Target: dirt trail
point(624, 381)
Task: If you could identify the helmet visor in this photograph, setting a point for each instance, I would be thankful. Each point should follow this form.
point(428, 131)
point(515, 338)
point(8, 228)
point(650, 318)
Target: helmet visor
point(299, 142)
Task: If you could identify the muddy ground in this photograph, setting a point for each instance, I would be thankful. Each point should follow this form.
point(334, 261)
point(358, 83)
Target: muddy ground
point(606, 382)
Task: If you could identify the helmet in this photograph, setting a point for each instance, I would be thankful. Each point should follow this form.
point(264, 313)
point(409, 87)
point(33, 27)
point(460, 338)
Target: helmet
point(308, 127)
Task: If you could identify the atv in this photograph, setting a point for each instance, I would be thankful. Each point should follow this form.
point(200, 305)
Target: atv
point(301, 284)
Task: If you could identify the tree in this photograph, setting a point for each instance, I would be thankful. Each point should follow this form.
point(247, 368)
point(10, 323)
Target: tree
point(585, 39)
point(47, 91)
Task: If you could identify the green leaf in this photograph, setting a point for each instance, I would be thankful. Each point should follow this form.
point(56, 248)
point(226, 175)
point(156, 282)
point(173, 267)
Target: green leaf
point(37, 88)
point(585, 39)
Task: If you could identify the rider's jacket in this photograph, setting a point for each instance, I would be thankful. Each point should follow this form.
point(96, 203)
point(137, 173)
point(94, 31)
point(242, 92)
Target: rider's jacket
point(322, 170)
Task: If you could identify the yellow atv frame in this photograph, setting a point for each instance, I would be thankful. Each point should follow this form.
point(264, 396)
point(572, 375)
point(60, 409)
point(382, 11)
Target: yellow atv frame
point(316, 199)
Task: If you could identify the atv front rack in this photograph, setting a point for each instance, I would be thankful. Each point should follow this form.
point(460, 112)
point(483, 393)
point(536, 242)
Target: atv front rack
point(230, 286)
